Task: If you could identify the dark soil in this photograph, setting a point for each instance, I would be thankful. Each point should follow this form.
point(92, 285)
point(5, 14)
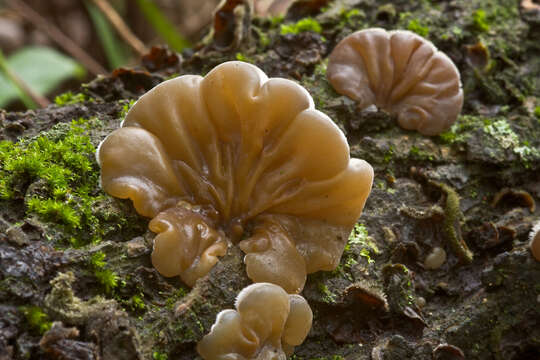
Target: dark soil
point(477, 183)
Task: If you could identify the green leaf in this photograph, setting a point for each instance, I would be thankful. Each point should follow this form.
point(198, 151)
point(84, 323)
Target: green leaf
point(114, 49)
point(41, 68)
point(6, 71)
point(162, 25)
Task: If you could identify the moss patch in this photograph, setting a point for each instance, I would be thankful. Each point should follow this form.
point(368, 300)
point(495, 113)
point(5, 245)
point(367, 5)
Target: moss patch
point(57, 176)
point(68, 98)
point(306, 24)
point(37, 320)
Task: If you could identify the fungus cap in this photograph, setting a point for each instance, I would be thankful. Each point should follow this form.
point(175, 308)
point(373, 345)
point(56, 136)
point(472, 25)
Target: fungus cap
point(435, 259)
point(266, 324)
point(236, 149)
point(401, 72)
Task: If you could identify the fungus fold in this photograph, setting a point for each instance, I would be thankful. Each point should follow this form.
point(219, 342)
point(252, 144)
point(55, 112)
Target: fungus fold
point(235, 157)
point(266, 325)
point(401, 72)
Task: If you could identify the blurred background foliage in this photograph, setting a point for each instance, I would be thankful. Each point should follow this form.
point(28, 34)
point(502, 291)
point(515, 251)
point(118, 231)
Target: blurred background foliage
point(48, 47)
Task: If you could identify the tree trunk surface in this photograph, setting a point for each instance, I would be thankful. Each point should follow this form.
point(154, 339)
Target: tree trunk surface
point(76, 280)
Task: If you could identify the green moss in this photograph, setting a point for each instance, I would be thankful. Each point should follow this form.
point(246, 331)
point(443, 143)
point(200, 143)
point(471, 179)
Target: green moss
point(303, 25)
point(36, 318)
point(462, 129)
point(189, 327)
point(241, 57)
point(351, 17)
point(61, 162)
point(127, 104)
point(348, 15)
point(358, 245)
point(264, 39)
point(479, 20)
point(55, 211)
point(417, 153)
point(389, 154)
point(451, 225)
point(156, 355)
point(276, 20)
point(106, 277)
point(358, 236)
point(537, 112)
point(415, 26)
point(57, 176)
point(327, 296)
point(68, 98)
point(448, 137)
point(97, 260)
point(176, 296)
point(136, 302)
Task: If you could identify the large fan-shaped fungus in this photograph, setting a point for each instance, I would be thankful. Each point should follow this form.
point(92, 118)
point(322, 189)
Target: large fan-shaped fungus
point(235, 155)
point(400, 72)
point(266, 325)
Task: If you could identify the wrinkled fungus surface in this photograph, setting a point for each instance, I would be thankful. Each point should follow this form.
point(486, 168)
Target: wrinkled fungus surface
point(237, 157)
point(400, 72)
point(266, 325)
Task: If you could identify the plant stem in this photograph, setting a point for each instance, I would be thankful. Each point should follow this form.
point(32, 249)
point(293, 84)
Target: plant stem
point(162, 25)
point(56, 35)
point(121, 27)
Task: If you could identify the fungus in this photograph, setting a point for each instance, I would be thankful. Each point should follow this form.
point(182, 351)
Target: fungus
point(435, 259)
point(266, 325)
point(237, 157)
point(534, 241)
point(400, 72)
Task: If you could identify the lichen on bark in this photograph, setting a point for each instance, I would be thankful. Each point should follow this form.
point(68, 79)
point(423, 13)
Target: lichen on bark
point(380, 296)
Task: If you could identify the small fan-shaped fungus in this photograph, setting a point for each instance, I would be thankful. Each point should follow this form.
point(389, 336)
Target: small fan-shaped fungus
point(400, 72)
point(266, 325)
point(237, 155)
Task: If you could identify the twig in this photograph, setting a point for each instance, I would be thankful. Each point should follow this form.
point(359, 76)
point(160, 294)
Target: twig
point(57, 36)
point(29, 97)
point(121, 27)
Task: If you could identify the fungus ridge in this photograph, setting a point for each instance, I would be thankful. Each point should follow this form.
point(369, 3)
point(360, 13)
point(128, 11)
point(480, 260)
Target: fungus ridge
point(267, 324)
point(400, 72)
point(241, 148)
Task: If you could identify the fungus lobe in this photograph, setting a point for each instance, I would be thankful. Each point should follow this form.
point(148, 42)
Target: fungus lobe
point(401, 72)
point(266, 325)
point(237, 157)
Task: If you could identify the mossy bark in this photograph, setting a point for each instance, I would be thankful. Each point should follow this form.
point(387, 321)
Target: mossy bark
point(380, 303)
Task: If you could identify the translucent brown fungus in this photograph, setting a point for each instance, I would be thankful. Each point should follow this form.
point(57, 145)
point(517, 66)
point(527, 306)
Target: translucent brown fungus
point(401, 73)
point(435, 259)
point(237, 156)
point(266, 325)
